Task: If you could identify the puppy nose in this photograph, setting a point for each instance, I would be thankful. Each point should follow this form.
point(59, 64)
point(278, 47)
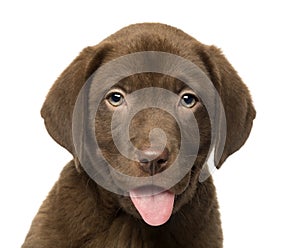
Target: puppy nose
point(153, 161)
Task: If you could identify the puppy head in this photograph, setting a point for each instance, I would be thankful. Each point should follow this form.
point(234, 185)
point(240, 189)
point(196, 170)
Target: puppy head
point(154, 138)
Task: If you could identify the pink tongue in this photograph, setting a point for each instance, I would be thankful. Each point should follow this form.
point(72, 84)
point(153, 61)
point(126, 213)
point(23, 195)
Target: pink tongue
point(155, 209)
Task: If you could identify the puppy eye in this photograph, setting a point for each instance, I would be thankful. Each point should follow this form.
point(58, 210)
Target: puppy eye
point(188, 100)
point(115, 99)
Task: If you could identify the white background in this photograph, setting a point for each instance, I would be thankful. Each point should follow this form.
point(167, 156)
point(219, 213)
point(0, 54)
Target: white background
point(258, 187)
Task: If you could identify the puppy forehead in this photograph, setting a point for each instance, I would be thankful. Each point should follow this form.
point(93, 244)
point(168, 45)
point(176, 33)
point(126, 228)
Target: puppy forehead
point(146, 80)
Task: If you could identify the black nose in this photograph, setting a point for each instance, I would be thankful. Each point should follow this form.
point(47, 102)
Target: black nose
point(153, 160)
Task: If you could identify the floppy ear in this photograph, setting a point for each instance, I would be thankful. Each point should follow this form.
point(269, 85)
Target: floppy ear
point(58, 107)
point(236, 99)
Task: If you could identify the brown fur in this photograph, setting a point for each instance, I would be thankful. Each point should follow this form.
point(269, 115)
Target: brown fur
point(78, 212)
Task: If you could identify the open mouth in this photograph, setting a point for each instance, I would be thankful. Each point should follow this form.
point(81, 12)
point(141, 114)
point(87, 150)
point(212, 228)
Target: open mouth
point(154, 204)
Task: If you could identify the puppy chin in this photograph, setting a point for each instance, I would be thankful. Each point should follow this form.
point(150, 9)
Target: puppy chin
point(180, 189)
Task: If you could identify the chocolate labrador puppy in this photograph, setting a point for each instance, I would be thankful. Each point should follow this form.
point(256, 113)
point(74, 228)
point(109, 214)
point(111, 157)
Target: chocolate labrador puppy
point(147, 114)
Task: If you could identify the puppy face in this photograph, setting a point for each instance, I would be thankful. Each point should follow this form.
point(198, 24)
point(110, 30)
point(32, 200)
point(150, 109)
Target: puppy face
point(153, 139)
point(148, 154)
